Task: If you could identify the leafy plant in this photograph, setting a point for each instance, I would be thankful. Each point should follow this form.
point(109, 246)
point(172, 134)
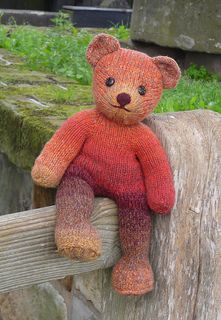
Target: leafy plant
point(62, 22)
point(200, 73)
point(120, 31)
point(51, 50)
point(59, 49)
point(190, 95)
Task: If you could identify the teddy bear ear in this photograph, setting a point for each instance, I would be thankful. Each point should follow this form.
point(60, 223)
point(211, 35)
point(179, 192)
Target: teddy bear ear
point(100, 46)
point(169, 69)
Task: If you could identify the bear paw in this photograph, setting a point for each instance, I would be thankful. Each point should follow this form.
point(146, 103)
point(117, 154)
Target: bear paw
point(132, 276)
point(79, 243)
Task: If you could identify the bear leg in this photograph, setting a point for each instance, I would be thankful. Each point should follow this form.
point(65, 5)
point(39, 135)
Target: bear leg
point(75, 236)
point(132, 275)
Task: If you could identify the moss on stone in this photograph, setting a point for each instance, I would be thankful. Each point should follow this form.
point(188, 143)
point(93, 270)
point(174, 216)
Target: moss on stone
point(52, 93)
point(21, 136)
point(20, 74)
point(32, 106)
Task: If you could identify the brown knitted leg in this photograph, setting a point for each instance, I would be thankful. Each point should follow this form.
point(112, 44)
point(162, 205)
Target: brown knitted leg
point(133, 274)
point(75, 237)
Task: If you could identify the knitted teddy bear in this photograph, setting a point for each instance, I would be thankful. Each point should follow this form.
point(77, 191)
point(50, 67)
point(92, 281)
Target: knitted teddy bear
point(107, 151)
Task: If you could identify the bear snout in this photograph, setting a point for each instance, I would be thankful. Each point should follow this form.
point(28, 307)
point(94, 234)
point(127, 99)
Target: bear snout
point(123, 99)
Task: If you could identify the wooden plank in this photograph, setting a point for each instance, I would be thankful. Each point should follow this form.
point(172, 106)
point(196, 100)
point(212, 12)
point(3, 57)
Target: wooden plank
point(28, 253)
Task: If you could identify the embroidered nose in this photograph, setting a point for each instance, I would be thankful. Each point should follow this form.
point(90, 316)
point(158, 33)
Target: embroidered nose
point(123, 99)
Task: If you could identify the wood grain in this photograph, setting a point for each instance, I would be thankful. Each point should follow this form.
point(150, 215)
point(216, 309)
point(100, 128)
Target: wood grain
point(186, 245)
point(28, 253)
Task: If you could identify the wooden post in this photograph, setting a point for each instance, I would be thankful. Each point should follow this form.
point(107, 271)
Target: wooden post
point(186, 246)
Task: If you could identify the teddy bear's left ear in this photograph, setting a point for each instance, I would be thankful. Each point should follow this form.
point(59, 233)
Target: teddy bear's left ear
point(100, 46)
point(169, 69)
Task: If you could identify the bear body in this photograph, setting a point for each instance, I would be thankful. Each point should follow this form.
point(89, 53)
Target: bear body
point(108, 142)
point(108, 152)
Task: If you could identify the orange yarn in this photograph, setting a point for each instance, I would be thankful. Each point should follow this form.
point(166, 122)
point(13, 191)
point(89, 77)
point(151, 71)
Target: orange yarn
point(108, 152)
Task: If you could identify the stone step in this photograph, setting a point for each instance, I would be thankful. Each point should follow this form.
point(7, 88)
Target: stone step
point(32, 106)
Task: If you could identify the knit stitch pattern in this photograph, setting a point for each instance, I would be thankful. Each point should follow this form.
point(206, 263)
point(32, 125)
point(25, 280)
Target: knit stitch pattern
point(108, 152)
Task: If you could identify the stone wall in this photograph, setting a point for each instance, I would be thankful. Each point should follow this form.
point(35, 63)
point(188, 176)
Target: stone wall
point(15, 187)
point(188, 25)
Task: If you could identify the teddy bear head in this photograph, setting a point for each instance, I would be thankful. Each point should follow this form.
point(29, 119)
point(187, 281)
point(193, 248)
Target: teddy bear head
point(128, 84)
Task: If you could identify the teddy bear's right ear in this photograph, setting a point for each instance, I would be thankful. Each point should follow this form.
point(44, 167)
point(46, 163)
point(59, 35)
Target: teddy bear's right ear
point(100, 46)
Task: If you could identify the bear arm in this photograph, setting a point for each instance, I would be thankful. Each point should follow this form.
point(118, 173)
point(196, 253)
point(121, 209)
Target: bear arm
point(60, 150)
point(157, 172)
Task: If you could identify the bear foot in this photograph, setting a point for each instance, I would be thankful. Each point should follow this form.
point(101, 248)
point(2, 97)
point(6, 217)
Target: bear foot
point(79, 243)
point(132, 276)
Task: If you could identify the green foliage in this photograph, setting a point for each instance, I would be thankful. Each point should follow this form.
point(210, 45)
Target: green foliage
point(120, 31)
point(50, 50)
point(190, 95)
point(62, 22)
point(60, 49)
point(200, 73)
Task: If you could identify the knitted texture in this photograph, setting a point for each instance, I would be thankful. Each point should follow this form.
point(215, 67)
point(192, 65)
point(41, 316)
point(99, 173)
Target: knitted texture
point(108, 152)
point(74, 235)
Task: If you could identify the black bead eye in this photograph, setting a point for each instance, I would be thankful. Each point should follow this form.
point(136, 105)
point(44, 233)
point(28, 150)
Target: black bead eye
point(142, 90)
point(109, 82)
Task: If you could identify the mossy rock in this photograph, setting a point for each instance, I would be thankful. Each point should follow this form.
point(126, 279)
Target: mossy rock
point(32, 106)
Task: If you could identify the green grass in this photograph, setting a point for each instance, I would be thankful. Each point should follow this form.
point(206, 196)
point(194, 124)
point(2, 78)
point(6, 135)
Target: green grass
point(200, 73)
point(49, 50)
point(61, 50)
point(192, 94)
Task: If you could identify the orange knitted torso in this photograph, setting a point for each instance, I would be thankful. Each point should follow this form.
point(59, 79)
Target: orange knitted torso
point(108, 156)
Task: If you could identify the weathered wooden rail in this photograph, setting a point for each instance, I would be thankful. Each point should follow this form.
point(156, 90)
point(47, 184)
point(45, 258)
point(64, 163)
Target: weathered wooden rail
point(28, 253)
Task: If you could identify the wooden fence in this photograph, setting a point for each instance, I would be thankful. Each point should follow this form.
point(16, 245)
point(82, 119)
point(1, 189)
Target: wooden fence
point(186, 245)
